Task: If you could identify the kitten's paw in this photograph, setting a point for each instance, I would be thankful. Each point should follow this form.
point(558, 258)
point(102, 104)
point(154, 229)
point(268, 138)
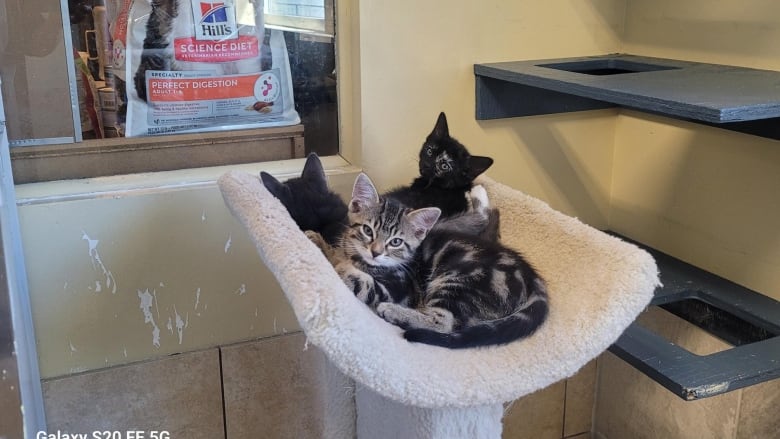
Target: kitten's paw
point(314, 237)
point(319, 241)
point(391, 312)
point(479, 198)
point(382, 308)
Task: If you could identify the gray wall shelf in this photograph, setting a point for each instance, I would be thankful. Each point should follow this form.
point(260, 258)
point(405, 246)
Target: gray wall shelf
point(729, 97)
point(755, 358)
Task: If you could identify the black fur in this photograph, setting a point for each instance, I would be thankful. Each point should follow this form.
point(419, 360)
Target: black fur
point(309, 201)
point(438, 187)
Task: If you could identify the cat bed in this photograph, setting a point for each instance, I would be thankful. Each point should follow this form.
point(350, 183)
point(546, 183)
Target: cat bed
point(597, 284)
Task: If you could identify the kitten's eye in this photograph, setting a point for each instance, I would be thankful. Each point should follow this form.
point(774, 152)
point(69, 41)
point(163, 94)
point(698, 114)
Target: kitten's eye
point(367, 231)
point(445, 167)
point(429, 151)
point(396, 242)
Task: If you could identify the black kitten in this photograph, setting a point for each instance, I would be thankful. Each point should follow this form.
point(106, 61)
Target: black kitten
point(309, 201)
point(447, 173)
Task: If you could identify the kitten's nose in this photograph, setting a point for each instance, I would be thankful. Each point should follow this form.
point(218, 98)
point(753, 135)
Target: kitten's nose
point(376, 249)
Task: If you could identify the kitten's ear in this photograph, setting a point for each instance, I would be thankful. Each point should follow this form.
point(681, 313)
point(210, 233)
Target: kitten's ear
point(422, 220)
point(478, 165)
point(364, 194)
point(314, 172)
point(274, 186)
point(440, 130)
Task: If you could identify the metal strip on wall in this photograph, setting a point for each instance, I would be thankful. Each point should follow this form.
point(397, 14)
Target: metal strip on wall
point(19, 351)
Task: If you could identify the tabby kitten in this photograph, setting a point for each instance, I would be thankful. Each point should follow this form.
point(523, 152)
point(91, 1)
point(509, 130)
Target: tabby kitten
point(311, 204)
point(447, 173)
point(456, 290)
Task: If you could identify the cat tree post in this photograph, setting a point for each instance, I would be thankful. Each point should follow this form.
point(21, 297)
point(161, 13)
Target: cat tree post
point(382, 418)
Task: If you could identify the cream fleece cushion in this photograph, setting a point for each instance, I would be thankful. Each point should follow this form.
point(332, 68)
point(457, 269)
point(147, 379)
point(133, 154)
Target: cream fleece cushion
point(598, 285)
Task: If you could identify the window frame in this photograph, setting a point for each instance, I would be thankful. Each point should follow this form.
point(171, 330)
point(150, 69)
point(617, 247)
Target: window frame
point(132, 155)
point(321, 27)
point(74, 157)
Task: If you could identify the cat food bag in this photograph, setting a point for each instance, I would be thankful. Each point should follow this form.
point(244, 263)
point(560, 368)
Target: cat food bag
point(211, 66)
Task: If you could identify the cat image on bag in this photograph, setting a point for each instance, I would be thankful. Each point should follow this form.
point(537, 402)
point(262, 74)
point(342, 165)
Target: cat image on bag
point(156, 54)
point(311, 204)
point(459, 290)
point(447, 173)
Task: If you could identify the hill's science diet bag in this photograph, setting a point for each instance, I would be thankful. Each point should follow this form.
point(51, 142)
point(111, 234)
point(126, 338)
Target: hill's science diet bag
point(196, 65)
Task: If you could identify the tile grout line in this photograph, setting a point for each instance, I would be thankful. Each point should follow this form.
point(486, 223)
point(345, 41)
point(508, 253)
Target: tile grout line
point(563, 418)
point(222, 391)
point(738, 416)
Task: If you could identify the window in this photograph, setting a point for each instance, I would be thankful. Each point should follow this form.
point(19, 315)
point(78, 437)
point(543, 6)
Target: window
point(315, 16)
point(67, 113)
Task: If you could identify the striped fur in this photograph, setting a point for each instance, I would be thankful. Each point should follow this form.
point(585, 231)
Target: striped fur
point(443, 283)
point(381, 242)
point(475, 292)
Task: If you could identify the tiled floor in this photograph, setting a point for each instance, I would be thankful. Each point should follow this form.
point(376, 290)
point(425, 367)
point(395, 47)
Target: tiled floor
point(580, 397)
point(536, 416)
point(564, 409)
point(180, 394)
point(286, 390)
point(278, 386)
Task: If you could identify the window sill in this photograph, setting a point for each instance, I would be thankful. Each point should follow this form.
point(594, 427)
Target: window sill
point(340, 172)
point(106, 157)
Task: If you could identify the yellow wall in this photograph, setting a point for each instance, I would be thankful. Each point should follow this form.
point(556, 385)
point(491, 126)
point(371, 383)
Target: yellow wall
point(706, 195)
point(416, 59)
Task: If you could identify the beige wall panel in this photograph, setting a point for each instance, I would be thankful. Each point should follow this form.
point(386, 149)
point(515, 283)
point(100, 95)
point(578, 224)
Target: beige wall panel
point(132, 275)
point(118, 275)
point(121, 279)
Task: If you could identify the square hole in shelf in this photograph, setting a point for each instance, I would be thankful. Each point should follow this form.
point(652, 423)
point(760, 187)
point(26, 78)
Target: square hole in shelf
point(603, 67)
point(700, 327)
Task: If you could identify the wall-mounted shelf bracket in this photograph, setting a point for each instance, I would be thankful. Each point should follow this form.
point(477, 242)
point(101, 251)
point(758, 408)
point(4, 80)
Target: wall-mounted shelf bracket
point(728, 97)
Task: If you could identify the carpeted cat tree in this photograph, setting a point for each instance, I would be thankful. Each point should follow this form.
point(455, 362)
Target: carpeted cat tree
point(598, 285)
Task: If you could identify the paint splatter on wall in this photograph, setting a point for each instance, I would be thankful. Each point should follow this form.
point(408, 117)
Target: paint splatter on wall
point(97, 264)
